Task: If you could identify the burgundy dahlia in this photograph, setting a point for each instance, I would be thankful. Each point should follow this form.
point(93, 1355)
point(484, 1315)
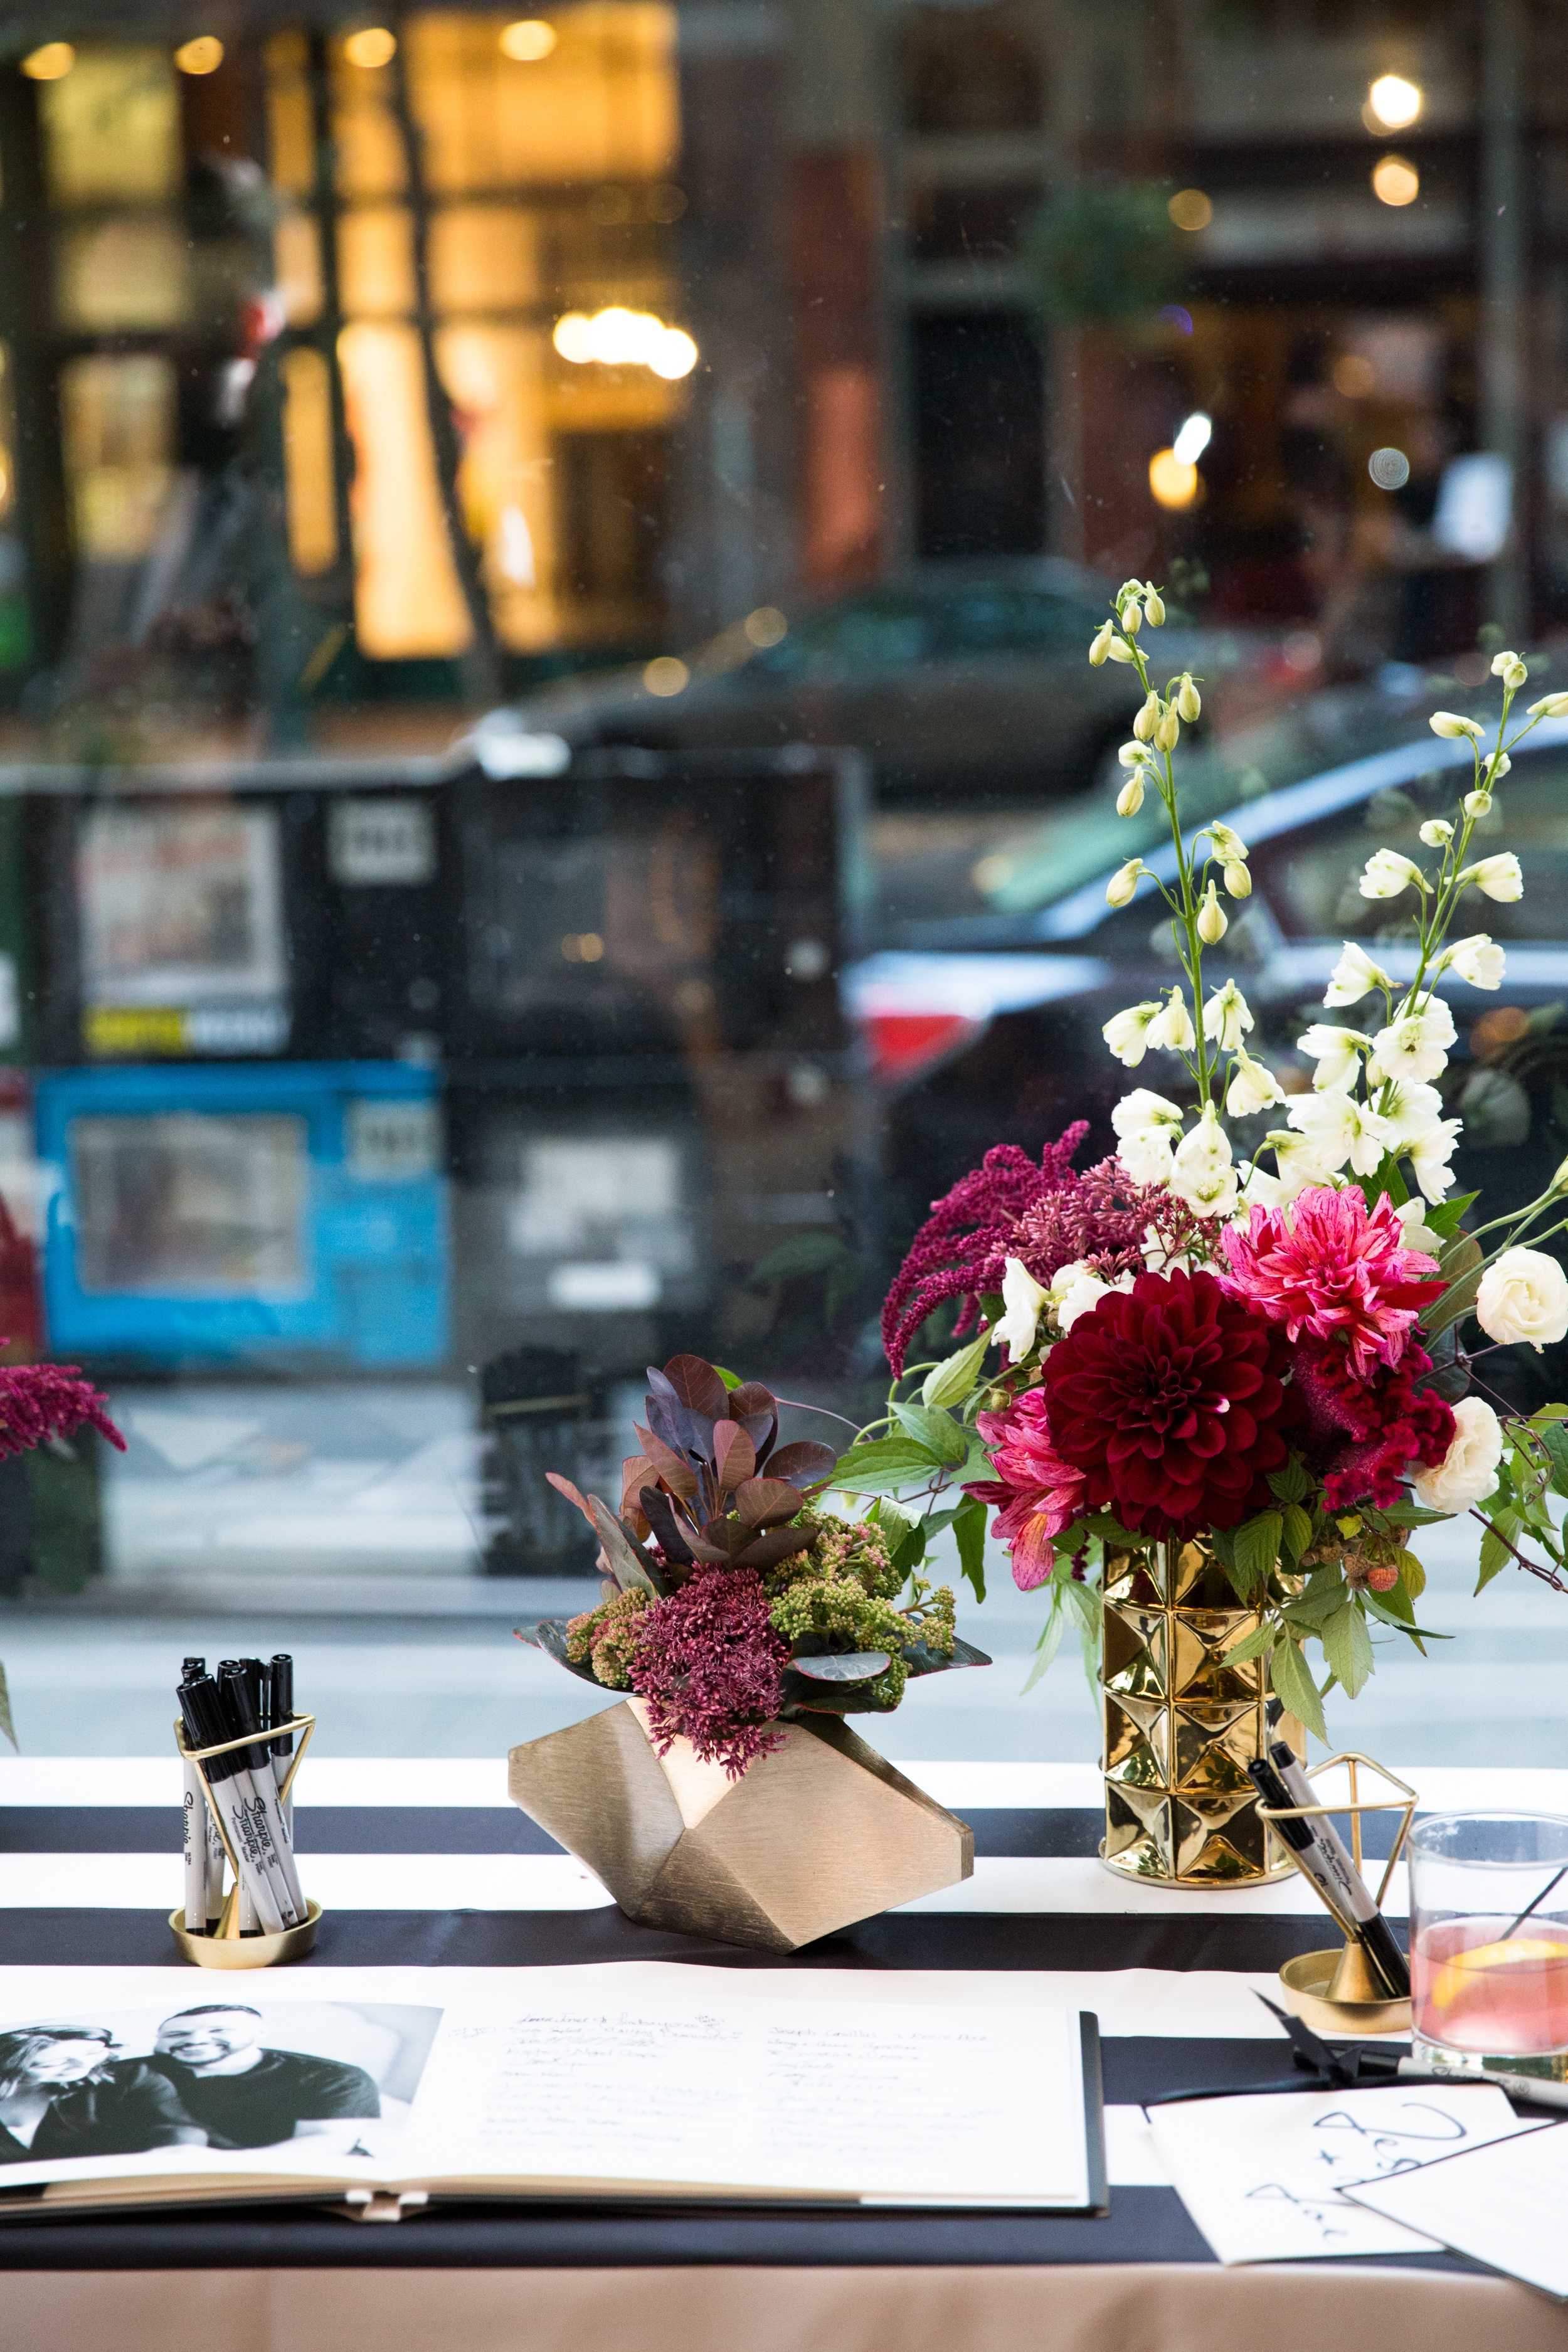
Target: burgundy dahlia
point(1168, 1397)
point(710, 1668)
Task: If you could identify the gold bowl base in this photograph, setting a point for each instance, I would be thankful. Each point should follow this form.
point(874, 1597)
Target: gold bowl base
point(247, 1951)
point(1305, 1981)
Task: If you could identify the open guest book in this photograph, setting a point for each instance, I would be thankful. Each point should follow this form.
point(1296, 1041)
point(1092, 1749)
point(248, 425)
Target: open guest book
point(382, 2091)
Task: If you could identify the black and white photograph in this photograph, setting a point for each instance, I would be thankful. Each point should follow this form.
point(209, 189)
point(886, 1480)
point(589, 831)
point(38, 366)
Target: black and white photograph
point(225, 2076)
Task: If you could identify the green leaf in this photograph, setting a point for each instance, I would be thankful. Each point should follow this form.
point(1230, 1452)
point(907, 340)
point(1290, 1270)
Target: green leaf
point(1442, 1216)
point(1347, 1646)
point(1461, 1263)
point(951, 1383)
point(1262, 1638)
point(1385, 1178)
point(1413, 1515)
point(1298, 1530)
point(1554, 1437)
point(883, 1466)
point(1292, 1485)
point(1256, 1549)
point(803, 1254)
point(1049, 1642)
point(1412, 1575)
point(1495, 1553)
point(895, 1522)
point(1112, 1531)
point(6, 1725)
point(937, 1431)
point(731, 1379)
point(969, 1533)
point(1294, 1688)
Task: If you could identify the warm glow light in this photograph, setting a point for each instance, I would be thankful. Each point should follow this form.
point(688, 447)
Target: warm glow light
point(665, 676)
point(1190, 208)
point(1355, 376)
point(1395, 182)
point(372, 46)
point(528, 40)
point(1394, 102)
point(620, 338)
point(1193, 439)
point(48, 64)
point(766, 625)
point(1173, 483)
point(202, 56)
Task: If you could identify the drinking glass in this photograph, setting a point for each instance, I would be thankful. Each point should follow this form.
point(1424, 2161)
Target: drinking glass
point(1489, 1940)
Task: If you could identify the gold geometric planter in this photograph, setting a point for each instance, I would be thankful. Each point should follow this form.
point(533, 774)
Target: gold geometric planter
point(818, 1834)
point(1182, 1724)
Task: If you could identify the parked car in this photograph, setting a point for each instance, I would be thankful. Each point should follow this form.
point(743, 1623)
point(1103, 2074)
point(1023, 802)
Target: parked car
point(960, 682)
point(988, 1031)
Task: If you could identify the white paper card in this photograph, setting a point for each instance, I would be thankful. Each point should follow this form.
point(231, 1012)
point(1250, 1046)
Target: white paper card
point(1262, 2176)
point(1502, 2205)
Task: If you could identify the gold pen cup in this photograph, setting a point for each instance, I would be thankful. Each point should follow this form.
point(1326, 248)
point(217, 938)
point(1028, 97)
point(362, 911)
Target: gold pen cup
point(1336, 1992)
point(228, 1948)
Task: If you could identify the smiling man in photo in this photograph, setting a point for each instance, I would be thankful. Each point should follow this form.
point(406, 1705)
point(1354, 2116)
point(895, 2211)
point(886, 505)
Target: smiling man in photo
point(244, 2095)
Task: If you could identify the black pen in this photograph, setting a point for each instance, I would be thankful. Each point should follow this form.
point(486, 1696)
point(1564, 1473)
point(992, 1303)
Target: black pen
point(198, 1904)
point(282, 1677)
point(1377, 1938)
point(1301, 1837)
point(207, 1726)
point(236, 1688)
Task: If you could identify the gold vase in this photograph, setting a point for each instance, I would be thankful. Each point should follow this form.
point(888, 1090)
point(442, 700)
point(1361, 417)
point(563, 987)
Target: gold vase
point(818, 1833)
point(1182, 1724)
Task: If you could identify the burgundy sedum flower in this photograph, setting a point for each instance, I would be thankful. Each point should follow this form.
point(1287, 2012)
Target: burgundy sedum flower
point(1168, 1397)
point(710, 1668)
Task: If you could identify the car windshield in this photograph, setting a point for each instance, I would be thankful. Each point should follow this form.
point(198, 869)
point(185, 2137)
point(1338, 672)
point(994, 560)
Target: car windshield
point(897, 629)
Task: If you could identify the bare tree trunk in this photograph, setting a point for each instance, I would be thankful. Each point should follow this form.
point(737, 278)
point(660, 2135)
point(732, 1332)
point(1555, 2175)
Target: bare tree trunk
point(481, 662)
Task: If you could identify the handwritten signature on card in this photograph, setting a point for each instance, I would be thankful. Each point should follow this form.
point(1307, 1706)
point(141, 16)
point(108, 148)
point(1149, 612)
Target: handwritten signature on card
point(1349, 2151)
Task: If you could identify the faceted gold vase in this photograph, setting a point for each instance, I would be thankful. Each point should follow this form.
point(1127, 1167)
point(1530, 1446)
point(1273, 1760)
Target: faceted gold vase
point(818, 1834)
point(1182, 1724)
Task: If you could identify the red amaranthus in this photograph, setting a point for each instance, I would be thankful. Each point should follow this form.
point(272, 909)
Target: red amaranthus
point(38, 1401)
point(1169, 1399)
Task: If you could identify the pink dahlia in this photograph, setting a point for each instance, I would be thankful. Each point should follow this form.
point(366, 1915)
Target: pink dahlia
point(1328, 1267)
point(1039, 1493)
point(1168, 1399)
point(710, 1666)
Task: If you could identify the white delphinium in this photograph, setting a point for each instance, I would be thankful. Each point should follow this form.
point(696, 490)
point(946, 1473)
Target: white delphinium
point(1430, 1156)
point(1510, 669)
point(1148, 718)
point(1355, 976)
point(1339, 1129)
point(1227, 1017)
point(1337, 1053)
point(1146, 1128)
point(1172, 1027)
point(1551, 706)
point(1253, 1087)
point(1477, 960)
point(1189, 703)
point(1300, 1160)
point(1387, 874)
point(1436, 833)
point(1408, 1109)
point(1499, 877)
point(1416, 1045)
point(1127, 1034)
point(1201, 1174)
point(1122, 887)
point(1023, 1301)
point(1130, 799)
point(1213, 924)
point(1076, 1288)
point(1452, 724)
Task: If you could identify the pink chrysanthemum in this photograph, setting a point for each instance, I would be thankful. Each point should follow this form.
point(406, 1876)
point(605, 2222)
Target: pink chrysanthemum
point(710, 1668)
point(1327, 1267)
point(1037, 1492)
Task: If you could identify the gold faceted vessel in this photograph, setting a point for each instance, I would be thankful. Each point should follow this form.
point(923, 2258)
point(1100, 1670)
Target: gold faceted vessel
point(1182, 1724)
point(819, 1832)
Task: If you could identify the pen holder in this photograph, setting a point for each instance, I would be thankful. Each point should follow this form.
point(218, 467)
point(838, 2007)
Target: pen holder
point(228, 1948)
point(1334, 1991)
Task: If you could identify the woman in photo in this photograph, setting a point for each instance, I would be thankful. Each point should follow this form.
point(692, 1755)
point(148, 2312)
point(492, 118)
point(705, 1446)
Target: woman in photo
point(63, 2093)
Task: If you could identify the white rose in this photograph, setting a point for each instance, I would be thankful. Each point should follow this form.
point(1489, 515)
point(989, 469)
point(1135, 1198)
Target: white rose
point(1352, 977)
point(1478, 959)
point(1467, 1471)
point(1524, 1296)
point(1127, 1034)
point(1172, 1027)
point(1387, 874)
point(1337, 1053)
point(1023, 1298)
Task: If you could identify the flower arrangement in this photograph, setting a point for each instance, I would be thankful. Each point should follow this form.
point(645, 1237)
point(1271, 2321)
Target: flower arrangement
point(731, 1600)
point(41, 1403)
point(1192, 1341)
